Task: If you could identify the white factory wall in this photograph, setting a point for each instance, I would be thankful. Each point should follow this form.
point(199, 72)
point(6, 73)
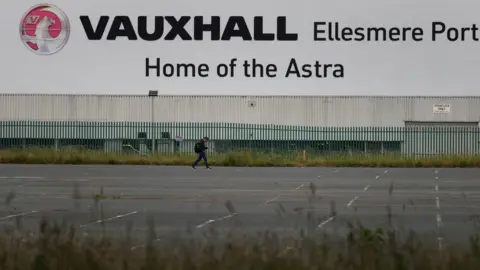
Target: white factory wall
point(323, 111)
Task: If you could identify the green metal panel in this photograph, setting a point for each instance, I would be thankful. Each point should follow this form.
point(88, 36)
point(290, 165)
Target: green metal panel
point(434, 140)
point(192, 131)
point(145, 137)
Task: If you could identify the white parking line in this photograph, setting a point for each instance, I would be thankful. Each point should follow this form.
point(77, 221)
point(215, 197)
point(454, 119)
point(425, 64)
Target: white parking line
point(18, 215)
point(299, 187)
point(352, 201)
point(439, 220)
point(440, 242)
point(438, 208)
point(327, 173)
point(22, 177)
point(278, 197)
point(330, 219)
point(365, 189)
point(142, 246)
point(215, 220)
point(110, 219)
point(271, 200)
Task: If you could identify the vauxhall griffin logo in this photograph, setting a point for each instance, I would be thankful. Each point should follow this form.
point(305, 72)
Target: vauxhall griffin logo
point(44, 29)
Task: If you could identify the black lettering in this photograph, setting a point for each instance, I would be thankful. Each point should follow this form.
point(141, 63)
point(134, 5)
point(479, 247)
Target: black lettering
point(157, 32)
point(178, 28)
point(307, 73)
point(246, 68)
point(203, 70)
point(122, 27)
point(236, 26)
point(435, 30)
point(258, 33)
point(337, 34)
point(168, 70)
point(177, 70)
point(377, 32)
point(321, 71)
point(339, 71)
point(256, 66)
point(474, 34)
point(452, 34)
point(271, 70)
point(395, 33)
point(282, 34)
point(222, 70)
point(317, 31)
point(359, 35)
point(201, 27)
point(96, 34)
point(465, 31)
point(417, 34)
point(347, 34)
point(242, 32)
point(185, 69)
point(293, 68)
point(259, 70)
point(148, 67)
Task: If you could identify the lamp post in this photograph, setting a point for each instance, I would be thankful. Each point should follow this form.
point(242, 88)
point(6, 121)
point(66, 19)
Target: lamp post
point(152, 94)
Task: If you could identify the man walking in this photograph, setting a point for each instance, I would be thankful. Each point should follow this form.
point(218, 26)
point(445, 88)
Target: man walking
point(200, 150)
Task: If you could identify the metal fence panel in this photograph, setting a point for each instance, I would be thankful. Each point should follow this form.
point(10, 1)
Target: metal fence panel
point(179, 137)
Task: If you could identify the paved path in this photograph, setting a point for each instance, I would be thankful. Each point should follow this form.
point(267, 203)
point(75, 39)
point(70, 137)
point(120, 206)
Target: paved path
point(427, 200)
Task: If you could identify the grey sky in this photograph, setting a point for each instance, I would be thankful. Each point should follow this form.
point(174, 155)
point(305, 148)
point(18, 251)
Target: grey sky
point(87, 67)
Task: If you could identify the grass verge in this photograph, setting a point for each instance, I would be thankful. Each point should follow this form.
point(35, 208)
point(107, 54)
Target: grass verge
point(241, 159)
point(60, 247)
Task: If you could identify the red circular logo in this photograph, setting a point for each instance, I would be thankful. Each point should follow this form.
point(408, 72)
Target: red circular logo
point(44, 29)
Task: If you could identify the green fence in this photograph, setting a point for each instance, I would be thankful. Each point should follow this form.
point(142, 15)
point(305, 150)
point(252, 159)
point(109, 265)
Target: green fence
point(145, 138)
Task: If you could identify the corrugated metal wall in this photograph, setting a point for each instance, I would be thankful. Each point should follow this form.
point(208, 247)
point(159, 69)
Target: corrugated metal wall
point(297, 111)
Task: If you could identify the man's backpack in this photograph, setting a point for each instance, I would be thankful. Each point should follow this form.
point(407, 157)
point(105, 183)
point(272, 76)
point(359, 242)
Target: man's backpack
point(198, 147)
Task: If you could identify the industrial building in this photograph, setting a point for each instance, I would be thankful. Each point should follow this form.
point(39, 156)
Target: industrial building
point(412, 125)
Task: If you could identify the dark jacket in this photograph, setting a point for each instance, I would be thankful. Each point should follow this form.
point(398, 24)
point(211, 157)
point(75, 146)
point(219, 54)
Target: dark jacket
point(200, 146)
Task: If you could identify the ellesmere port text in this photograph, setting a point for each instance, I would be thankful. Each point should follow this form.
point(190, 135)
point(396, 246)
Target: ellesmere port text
point(334, 31)
point(220, 28)
point(251, 69)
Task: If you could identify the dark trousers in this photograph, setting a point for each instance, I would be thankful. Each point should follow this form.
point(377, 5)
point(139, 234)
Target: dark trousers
point(201, 156)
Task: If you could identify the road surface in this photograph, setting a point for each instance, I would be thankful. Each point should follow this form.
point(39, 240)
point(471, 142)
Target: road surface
point(442, 202)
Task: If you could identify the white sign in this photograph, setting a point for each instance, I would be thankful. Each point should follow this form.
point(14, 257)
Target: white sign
point(441, 108)
point(249, 47)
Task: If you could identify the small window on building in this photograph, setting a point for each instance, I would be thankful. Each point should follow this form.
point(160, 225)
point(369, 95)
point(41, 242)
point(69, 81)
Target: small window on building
point(165, 135)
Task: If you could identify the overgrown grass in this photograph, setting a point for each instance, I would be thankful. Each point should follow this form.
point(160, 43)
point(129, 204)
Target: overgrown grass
point(59, 246)
point(243, 159)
